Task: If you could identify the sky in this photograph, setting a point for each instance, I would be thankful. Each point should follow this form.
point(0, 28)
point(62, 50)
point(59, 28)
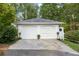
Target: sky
point(39, 4)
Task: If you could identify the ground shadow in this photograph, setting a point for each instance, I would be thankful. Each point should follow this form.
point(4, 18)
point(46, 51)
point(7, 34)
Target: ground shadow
point(38, 53)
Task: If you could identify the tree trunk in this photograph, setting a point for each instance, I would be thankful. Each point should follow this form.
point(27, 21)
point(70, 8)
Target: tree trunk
point(71, 25)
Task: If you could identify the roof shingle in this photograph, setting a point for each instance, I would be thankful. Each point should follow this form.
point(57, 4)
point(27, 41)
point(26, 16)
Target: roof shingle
point(38, 21)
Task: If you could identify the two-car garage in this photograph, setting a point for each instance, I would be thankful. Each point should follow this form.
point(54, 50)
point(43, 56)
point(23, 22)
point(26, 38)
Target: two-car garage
point(35, 31)
point(39, 28)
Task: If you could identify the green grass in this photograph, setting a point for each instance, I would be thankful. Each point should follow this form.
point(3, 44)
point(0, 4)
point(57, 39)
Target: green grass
point(72, 45)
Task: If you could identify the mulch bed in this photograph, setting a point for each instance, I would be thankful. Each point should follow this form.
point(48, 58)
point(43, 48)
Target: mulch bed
point(3, 48)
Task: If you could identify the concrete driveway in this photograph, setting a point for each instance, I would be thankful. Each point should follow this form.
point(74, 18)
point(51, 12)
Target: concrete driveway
point(40, 48)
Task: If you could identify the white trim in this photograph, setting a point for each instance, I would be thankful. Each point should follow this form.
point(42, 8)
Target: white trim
point(53, 23)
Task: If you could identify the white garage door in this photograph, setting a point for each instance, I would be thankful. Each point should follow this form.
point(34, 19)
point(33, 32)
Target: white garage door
point(48, 32)
point(32, 32)
point(28, 32)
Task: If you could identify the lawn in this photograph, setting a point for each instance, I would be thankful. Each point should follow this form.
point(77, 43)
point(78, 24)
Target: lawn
point(72, 45)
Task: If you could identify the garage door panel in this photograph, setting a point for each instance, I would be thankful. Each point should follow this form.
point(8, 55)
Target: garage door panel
point(49, 32)
point(45, 31)
point(28, 32)
point(48, 36)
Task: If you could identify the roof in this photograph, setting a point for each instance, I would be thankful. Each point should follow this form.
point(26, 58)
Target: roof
point(38, 21)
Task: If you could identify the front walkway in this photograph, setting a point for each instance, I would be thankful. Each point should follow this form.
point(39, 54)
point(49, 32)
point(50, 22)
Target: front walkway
point(40, 47)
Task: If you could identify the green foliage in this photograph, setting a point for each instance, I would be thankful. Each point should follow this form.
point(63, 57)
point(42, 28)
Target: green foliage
point(50, 11)
point(70, 14)
point(72, 36)
point(66, 27)
point(67, 12)
point(29, 10)
point(7, 16)
point(71, 11)
point(72, 45)
point(10, 35)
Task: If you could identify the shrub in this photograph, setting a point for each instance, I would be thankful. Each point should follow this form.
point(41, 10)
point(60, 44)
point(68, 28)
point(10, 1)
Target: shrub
point(10, 35)
point(73, 36)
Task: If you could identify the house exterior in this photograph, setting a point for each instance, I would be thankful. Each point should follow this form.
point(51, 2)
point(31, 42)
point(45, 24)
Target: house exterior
point(39, 28)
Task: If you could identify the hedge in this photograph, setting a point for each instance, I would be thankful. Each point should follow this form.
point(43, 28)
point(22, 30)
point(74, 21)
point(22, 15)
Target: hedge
point(73, 36)
point(10, 35)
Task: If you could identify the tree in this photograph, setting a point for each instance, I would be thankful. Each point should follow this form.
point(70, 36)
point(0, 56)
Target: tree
point(28, 10)
point(71, 14)
point(10, 35)
point(7, 16)
point(68, 13)
point(50, 11)
point(31, 11)
point(19, 7)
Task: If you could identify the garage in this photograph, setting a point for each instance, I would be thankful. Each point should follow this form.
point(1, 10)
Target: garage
point(38, 29)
